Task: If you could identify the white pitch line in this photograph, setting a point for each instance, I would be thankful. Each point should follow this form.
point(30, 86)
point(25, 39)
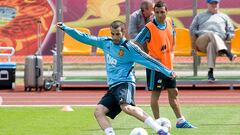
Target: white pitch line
point(56, 105)
point(50, 97)
point(1, 100)
point(44, 105)
point(49, 101)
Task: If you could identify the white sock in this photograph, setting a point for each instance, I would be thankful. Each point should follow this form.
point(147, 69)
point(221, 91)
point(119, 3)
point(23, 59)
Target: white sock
point(181, 119)
point(109, 131)
point(153, 124)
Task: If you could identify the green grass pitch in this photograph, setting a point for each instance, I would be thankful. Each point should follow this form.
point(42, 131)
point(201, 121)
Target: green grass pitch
point(210, 120)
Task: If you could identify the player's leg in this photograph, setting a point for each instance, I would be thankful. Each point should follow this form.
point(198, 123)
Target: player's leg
point(124, 93)
point(138, 113)
point(100, 115)
point(107, 106)
point(174, 102)
point(154, 85)
point(154, 103)
point(134, 111)
point(170, 85)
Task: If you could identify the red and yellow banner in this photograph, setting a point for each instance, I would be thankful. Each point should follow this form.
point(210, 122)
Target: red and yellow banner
point(18, 27)
point(18, 18)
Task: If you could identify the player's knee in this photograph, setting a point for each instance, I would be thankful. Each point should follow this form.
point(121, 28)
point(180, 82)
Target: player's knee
point(99, 111)
point(126, 108)
point(155, 96)
point(173, 92)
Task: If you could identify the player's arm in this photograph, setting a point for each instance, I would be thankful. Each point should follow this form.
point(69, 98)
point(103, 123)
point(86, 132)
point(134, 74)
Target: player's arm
point(142, 38)
point(142, 47)
point(138, 56)
point(80, 36)
point(174, 36)
point(173, 40)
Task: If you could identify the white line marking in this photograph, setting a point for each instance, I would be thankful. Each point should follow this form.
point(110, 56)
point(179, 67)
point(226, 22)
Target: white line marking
point(57, 105)
point(1, 100)
point(44, 105)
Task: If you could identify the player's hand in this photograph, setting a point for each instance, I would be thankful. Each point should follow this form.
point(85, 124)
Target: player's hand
point(59, 25)
point(174, 75)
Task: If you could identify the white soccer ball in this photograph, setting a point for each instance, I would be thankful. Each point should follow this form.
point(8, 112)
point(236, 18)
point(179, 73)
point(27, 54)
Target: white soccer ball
point(138, 131)
point(164, 122)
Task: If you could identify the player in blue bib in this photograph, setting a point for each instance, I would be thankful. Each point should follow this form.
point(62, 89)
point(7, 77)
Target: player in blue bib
point(120, 56)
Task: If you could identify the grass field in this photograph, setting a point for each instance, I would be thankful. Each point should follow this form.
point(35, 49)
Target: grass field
point(210, 120)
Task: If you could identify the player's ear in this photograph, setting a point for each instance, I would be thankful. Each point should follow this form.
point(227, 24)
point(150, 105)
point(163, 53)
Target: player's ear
point(124, 32)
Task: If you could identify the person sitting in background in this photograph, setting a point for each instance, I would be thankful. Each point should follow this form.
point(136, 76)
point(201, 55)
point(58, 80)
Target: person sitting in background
point(139, 18)
point(210, 32)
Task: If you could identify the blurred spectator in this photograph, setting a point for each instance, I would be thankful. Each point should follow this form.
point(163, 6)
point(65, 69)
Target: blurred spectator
point(139, 18)
point(211, 31)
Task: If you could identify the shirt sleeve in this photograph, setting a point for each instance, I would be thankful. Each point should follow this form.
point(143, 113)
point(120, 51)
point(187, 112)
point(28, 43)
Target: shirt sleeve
point(194, 26)
point(83, 37)
point(132, 27)
point(173, 26)
point(143, 36)
point(140, 57)
point(229, 28)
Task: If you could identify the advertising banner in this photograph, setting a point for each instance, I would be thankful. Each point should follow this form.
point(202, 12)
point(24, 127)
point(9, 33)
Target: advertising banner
point(18, 18)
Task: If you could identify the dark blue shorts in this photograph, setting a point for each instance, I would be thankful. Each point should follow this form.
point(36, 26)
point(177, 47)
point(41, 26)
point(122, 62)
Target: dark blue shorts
point(117, 95)
point(158, 81)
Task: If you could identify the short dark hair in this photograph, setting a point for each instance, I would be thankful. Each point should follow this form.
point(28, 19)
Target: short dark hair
point(145, 4)
point(160, 4)
point(116, 24)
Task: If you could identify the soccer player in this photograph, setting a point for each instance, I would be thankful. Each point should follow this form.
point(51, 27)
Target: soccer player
point(159, 36)
point(120, 56)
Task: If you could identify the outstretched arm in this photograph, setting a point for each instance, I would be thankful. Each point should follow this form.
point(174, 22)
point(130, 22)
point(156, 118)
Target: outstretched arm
point(80, 36)
point(144, 59)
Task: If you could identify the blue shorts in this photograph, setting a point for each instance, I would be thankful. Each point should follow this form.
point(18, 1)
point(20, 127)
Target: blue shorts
point(158, 81)
point(117, 95)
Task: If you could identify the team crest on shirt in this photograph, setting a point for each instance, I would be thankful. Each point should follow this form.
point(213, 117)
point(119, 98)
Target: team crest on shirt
point(164, 47)
point(121, 52)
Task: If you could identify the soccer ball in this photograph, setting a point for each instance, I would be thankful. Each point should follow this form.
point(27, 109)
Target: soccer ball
point(164, 122)
point(138, 131)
